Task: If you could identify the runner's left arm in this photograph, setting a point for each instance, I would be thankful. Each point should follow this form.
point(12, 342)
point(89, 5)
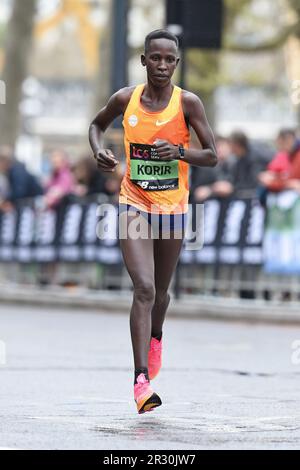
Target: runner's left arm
point(196, 117)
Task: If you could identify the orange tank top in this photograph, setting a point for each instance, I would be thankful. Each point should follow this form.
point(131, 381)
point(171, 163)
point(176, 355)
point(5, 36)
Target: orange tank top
point(150, 184)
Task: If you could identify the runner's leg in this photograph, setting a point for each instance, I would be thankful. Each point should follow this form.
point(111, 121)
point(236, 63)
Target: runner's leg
point(139, 261)
point(166, 254)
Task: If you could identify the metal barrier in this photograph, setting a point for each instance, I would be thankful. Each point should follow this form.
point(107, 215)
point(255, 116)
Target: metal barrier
point(61, 247)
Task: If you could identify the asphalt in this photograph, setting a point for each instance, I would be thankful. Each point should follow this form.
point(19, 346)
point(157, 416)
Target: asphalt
point(67, 383)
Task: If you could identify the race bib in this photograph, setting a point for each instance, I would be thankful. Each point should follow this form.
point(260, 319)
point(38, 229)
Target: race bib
point(150, 173)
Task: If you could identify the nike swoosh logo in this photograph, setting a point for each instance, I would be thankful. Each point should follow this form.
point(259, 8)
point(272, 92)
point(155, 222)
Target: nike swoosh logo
point(161, 123)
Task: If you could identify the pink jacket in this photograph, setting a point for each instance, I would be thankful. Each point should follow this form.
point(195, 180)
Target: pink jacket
point(60, 184)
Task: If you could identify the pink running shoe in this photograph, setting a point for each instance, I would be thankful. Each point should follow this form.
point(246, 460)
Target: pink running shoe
point(154, 357)
point(145, 398)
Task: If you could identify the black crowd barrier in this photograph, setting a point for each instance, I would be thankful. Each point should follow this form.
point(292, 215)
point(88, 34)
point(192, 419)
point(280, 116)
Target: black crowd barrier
point(233, 233)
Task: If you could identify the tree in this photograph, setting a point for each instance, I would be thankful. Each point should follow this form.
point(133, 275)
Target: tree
point(284, 30)
point(102, 78)
point(204, 71)
point(203, 66)
point(17, 49)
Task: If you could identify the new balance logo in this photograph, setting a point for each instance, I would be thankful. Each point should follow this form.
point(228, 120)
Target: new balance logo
point(143, 184)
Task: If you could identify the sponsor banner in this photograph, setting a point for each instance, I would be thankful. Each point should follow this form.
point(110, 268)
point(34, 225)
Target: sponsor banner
point(225, 232)
point(281, 246)
point(233, 232)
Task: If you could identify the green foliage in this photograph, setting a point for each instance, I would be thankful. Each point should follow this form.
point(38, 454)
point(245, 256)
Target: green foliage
point(243, 27)
point(204, 65)
point(295, 5)
point(232, 9)
point(203, 70)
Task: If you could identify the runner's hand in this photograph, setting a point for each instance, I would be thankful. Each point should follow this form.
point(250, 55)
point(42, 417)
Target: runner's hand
point(166, 151)
point(106, 160)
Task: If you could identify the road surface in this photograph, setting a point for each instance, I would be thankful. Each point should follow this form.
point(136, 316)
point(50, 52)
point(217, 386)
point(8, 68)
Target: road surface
point(67, 383)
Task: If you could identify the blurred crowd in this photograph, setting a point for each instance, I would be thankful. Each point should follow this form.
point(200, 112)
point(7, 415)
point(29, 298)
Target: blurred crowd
point(250, 169)
point(245, 169)
point(65, 180)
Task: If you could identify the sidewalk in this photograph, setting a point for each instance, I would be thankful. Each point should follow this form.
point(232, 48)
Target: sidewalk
point(205, 307)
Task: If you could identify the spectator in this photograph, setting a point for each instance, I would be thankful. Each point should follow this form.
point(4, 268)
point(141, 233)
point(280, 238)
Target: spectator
point(244, 165)
point(207, 181)
point(89, 180)
point(61, 181)
point(4, 187)
point(283, 172)
point(20, 182)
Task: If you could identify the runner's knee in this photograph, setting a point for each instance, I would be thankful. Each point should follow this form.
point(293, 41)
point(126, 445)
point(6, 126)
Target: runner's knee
point(145, 292)
point(162, 296)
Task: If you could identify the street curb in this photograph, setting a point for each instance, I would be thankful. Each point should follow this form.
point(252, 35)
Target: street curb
point(201, 307)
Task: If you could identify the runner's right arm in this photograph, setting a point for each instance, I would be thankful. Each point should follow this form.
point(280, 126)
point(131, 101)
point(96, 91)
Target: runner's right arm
point(116, 106)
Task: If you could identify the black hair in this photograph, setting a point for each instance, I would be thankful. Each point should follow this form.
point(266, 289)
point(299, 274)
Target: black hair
point(286, 132)
point(159, 34)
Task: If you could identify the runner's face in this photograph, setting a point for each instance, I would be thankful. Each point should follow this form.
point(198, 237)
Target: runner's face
point(160, 61)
